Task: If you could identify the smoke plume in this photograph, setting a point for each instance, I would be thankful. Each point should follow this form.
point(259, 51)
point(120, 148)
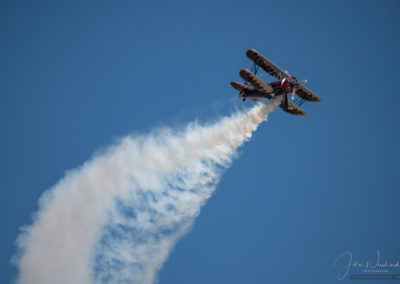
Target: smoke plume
point(116, 218)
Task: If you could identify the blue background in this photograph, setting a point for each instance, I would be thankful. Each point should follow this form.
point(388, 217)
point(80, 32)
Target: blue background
point(74, 76)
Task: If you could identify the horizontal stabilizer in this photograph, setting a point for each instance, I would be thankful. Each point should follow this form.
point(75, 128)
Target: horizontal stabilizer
point(240, 87)
point(248, 92)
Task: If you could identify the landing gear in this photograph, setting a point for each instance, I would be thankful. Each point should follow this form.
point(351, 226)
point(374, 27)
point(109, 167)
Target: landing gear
point(286, 102)
point(243, 99)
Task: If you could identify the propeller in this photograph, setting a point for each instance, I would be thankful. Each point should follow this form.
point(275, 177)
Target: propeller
point(293, 81)
point(296, 84)
point(293, 92)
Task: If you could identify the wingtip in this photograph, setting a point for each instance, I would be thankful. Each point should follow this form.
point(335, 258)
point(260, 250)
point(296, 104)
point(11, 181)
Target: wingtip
point(235, 85)
point(244, 70)
point(251, 51)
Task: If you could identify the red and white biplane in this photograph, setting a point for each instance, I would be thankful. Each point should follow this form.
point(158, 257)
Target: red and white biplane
point(287, 84)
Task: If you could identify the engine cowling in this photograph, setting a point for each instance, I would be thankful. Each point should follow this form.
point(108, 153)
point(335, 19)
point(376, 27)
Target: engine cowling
point(286, 86)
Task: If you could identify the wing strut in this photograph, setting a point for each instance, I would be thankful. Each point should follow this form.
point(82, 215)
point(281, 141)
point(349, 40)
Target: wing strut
point(299, 101)
point(255, 68)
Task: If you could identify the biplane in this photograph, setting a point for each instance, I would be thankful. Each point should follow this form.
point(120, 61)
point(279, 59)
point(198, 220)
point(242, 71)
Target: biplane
point(255, 89)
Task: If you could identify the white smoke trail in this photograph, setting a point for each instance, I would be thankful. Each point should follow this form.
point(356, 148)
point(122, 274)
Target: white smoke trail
point(117, 218)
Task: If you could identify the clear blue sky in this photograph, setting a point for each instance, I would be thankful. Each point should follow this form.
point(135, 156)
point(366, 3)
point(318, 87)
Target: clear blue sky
point(74, 76)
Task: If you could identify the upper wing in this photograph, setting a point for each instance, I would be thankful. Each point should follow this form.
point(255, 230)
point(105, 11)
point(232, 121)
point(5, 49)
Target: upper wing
point(265, 64)
point(292, 108)
point(307, 94)
point(255, 81)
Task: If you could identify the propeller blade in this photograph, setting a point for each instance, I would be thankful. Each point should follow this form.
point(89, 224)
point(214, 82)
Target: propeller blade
point(293, 92)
